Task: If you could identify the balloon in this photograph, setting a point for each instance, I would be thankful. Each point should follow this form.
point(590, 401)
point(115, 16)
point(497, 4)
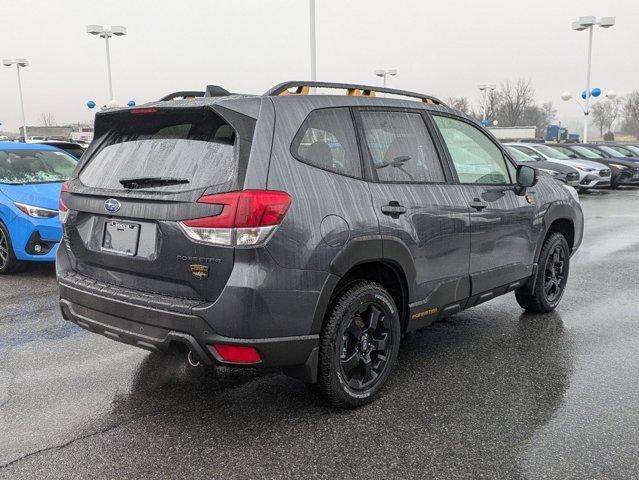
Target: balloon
point(91, 104)
point(131, 103)
point(585, 94)
point(596, 92)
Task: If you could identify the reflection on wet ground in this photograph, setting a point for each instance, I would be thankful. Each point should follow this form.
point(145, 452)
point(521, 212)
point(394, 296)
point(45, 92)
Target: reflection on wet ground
point(490, 393)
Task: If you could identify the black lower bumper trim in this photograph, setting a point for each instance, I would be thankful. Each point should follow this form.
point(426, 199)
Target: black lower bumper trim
point(159, 329)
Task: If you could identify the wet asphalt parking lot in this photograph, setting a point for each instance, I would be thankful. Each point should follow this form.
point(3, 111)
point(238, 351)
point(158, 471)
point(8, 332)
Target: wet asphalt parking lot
point(490, 393)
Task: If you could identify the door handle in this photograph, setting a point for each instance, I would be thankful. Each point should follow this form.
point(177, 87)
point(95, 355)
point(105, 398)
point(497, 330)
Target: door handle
point(477, 204)
point(394, 209)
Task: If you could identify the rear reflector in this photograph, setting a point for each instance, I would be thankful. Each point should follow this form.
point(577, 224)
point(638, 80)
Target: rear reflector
point(237, 353)
point(248, 218)
point(63, 210)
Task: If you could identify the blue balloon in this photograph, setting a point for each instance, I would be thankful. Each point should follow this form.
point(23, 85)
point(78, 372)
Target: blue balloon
point(131, 103)
point(485, 123)
point(585, 94)
point(91, 104)
point(596, 92)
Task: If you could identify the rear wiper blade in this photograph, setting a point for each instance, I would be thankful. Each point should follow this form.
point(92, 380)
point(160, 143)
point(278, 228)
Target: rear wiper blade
point(142, 182)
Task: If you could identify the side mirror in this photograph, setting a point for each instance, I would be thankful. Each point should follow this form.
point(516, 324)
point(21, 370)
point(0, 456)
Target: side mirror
point(526, 177)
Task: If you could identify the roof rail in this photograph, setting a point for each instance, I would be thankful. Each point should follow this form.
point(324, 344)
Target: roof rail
point(304, 88)
point(211, 91)
point(184, 94)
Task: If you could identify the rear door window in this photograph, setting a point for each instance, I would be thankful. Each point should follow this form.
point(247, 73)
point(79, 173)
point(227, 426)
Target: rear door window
point(186, 150)
point(400, 147)
point(327, 140)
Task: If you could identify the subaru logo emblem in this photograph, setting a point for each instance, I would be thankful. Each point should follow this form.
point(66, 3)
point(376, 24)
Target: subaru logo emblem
point(112, 205)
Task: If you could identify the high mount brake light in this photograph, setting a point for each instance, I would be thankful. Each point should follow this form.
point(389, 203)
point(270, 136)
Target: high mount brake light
point(63, 210)
point(248, 218)
point(143, 111)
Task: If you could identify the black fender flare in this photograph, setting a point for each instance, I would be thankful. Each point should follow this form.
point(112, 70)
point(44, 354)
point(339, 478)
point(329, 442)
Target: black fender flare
point(365, 249)
point(556, 211)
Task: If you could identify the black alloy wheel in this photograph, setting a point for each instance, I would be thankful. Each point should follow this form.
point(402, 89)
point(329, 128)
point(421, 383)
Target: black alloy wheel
point(366, 341)
point(554, 279)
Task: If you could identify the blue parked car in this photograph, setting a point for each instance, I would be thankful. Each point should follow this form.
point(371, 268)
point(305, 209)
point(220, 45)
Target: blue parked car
point(31, 178)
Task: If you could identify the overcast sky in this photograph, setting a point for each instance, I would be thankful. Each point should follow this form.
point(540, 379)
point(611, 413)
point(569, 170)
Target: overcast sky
point(444, 48)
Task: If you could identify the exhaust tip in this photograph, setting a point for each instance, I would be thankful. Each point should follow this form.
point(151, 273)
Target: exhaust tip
point(192, 361)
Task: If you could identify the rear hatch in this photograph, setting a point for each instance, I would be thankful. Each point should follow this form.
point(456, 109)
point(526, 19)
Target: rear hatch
point(142, 175)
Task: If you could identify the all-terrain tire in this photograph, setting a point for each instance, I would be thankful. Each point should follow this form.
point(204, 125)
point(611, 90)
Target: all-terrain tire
point(346, 317)
point(540, 300)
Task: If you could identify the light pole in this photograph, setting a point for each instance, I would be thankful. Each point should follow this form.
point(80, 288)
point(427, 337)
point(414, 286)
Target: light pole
point(588, 23)
point(391, 72)
point(585, 95)
point(484, 89)
point(19, 62)
point(106, 33)
point(311, 7)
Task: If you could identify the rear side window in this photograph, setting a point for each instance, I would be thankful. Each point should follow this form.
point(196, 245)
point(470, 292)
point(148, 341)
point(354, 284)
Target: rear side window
point(327, 140)
point(194, 148)
point(475, 157)
point(401, 147)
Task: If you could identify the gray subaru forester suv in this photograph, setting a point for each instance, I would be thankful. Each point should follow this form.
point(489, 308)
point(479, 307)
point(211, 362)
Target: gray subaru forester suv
point(301, 230)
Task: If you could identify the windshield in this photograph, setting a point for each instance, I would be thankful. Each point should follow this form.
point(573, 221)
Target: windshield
point(623, 150)
point(611, 151)
point(518, 155)
point(565, 150)
point(551, 152)
point(634, 150)
point(35, 166)
point(588, 152)
point(165, 152)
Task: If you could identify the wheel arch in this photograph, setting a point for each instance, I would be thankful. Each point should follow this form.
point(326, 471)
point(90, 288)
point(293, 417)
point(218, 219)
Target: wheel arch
point(366, 259)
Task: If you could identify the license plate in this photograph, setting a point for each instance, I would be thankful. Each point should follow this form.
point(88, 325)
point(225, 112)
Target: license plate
point(121, 237)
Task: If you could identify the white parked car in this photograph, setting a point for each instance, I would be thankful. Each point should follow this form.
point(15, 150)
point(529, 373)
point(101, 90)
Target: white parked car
point(591, 173)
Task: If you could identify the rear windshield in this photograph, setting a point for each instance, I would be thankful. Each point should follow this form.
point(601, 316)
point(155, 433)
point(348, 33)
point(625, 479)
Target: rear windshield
point(186, 150)
point(35, 166)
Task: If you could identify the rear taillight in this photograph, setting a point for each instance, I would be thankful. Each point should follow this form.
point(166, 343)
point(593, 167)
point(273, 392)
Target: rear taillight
point(248, 218)
point(62, 208)
point(236, 353)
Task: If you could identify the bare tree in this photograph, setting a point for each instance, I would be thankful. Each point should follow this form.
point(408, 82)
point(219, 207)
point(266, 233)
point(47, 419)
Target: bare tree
point(514, 99)
point(47, 119)
point(460, 103)
point(605, 113)
point(631, 114)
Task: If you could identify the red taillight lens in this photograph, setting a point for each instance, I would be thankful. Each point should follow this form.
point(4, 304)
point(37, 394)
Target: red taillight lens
point(247, 208)
point(248, 218)
point(62, 208)
point(237, 353)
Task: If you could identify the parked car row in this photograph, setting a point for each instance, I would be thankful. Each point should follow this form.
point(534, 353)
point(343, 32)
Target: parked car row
point(583, 166)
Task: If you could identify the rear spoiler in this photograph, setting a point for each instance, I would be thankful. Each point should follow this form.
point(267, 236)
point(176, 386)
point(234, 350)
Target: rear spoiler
point(211, 91)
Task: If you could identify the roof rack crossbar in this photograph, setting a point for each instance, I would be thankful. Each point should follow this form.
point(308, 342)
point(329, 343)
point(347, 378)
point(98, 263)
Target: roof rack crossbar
point(211, 91)
point(184, 94)
point(303, 88)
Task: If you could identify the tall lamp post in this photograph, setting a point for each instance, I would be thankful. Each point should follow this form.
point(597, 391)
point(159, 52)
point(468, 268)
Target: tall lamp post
point(484, 89)
point(106, 33)
point(391, 72)
point(19, 62)
point(313, 41)
point(588, 23)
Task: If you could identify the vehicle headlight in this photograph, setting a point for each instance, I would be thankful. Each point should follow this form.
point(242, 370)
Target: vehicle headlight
point(620, 167)
point(35, 212)
point(572, 192)
point(549, 172)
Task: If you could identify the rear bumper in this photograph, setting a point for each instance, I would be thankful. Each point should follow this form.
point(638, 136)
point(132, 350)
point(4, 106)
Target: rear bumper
point(154, 329)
